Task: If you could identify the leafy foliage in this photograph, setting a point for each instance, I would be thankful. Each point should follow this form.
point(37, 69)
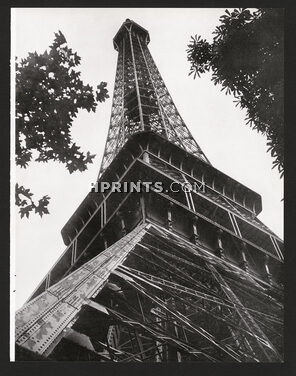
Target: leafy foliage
point(246, 58)
point(49, 94)
point(23, 199)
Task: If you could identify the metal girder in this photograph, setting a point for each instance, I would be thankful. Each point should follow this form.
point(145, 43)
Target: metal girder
point(163, 300)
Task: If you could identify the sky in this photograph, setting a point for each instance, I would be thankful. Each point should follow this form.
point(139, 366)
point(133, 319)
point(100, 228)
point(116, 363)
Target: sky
point(211, 116)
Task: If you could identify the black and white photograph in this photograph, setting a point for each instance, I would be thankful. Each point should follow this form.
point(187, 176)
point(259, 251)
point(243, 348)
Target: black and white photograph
point(147, 171)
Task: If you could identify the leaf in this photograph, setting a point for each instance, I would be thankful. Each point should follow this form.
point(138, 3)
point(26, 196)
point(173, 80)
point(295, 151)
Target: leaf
point(49, 95)
point(243, 44)
point(25, 211)
point(102, 92)
point(26, 207)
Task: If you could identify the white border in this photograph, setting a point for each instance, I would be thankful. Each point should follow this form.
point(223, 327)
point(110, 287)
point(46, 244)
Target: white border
point(12, 185)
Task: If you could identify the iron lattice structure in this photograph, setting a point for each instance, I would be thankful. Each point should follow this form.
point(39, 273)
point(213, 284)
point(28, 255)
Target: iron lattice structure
point(141, 100)
point(158, 276)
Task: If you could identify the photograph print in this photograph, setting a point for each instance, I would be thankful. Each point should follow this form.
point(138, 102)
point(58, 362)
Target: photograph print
point(147, 169)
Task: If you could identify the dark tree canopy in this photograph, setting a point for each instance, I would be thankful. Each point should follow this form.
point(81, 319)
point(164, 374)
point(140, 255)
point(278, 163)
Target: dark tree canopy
point(49, 94)
point(247, 58)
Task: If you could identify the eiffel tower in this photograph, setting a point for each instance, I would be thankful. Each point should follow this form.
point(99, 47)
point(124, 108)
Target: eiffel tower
point(151, 275)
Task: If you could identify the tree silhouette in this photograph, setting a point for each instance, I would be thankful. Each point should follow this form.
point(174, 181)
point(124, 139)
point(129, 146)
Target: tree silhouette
point(247, 58)
point(49, 94)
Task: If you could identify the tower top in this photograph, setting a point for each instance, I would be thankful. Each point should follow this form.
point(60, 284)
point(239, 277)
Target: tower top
point(130, 26)
point(141, 101)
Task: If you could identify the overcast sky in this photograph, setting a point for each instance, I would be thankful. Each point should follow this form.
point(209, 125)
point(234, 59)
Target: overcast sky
point(217, 125)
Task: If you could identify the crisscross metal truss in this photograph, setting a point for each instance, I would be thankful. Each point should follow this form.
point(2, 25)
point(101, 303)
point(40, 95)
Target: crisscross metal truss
point(141, 100)
point(172, 302)
point(156, 298)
